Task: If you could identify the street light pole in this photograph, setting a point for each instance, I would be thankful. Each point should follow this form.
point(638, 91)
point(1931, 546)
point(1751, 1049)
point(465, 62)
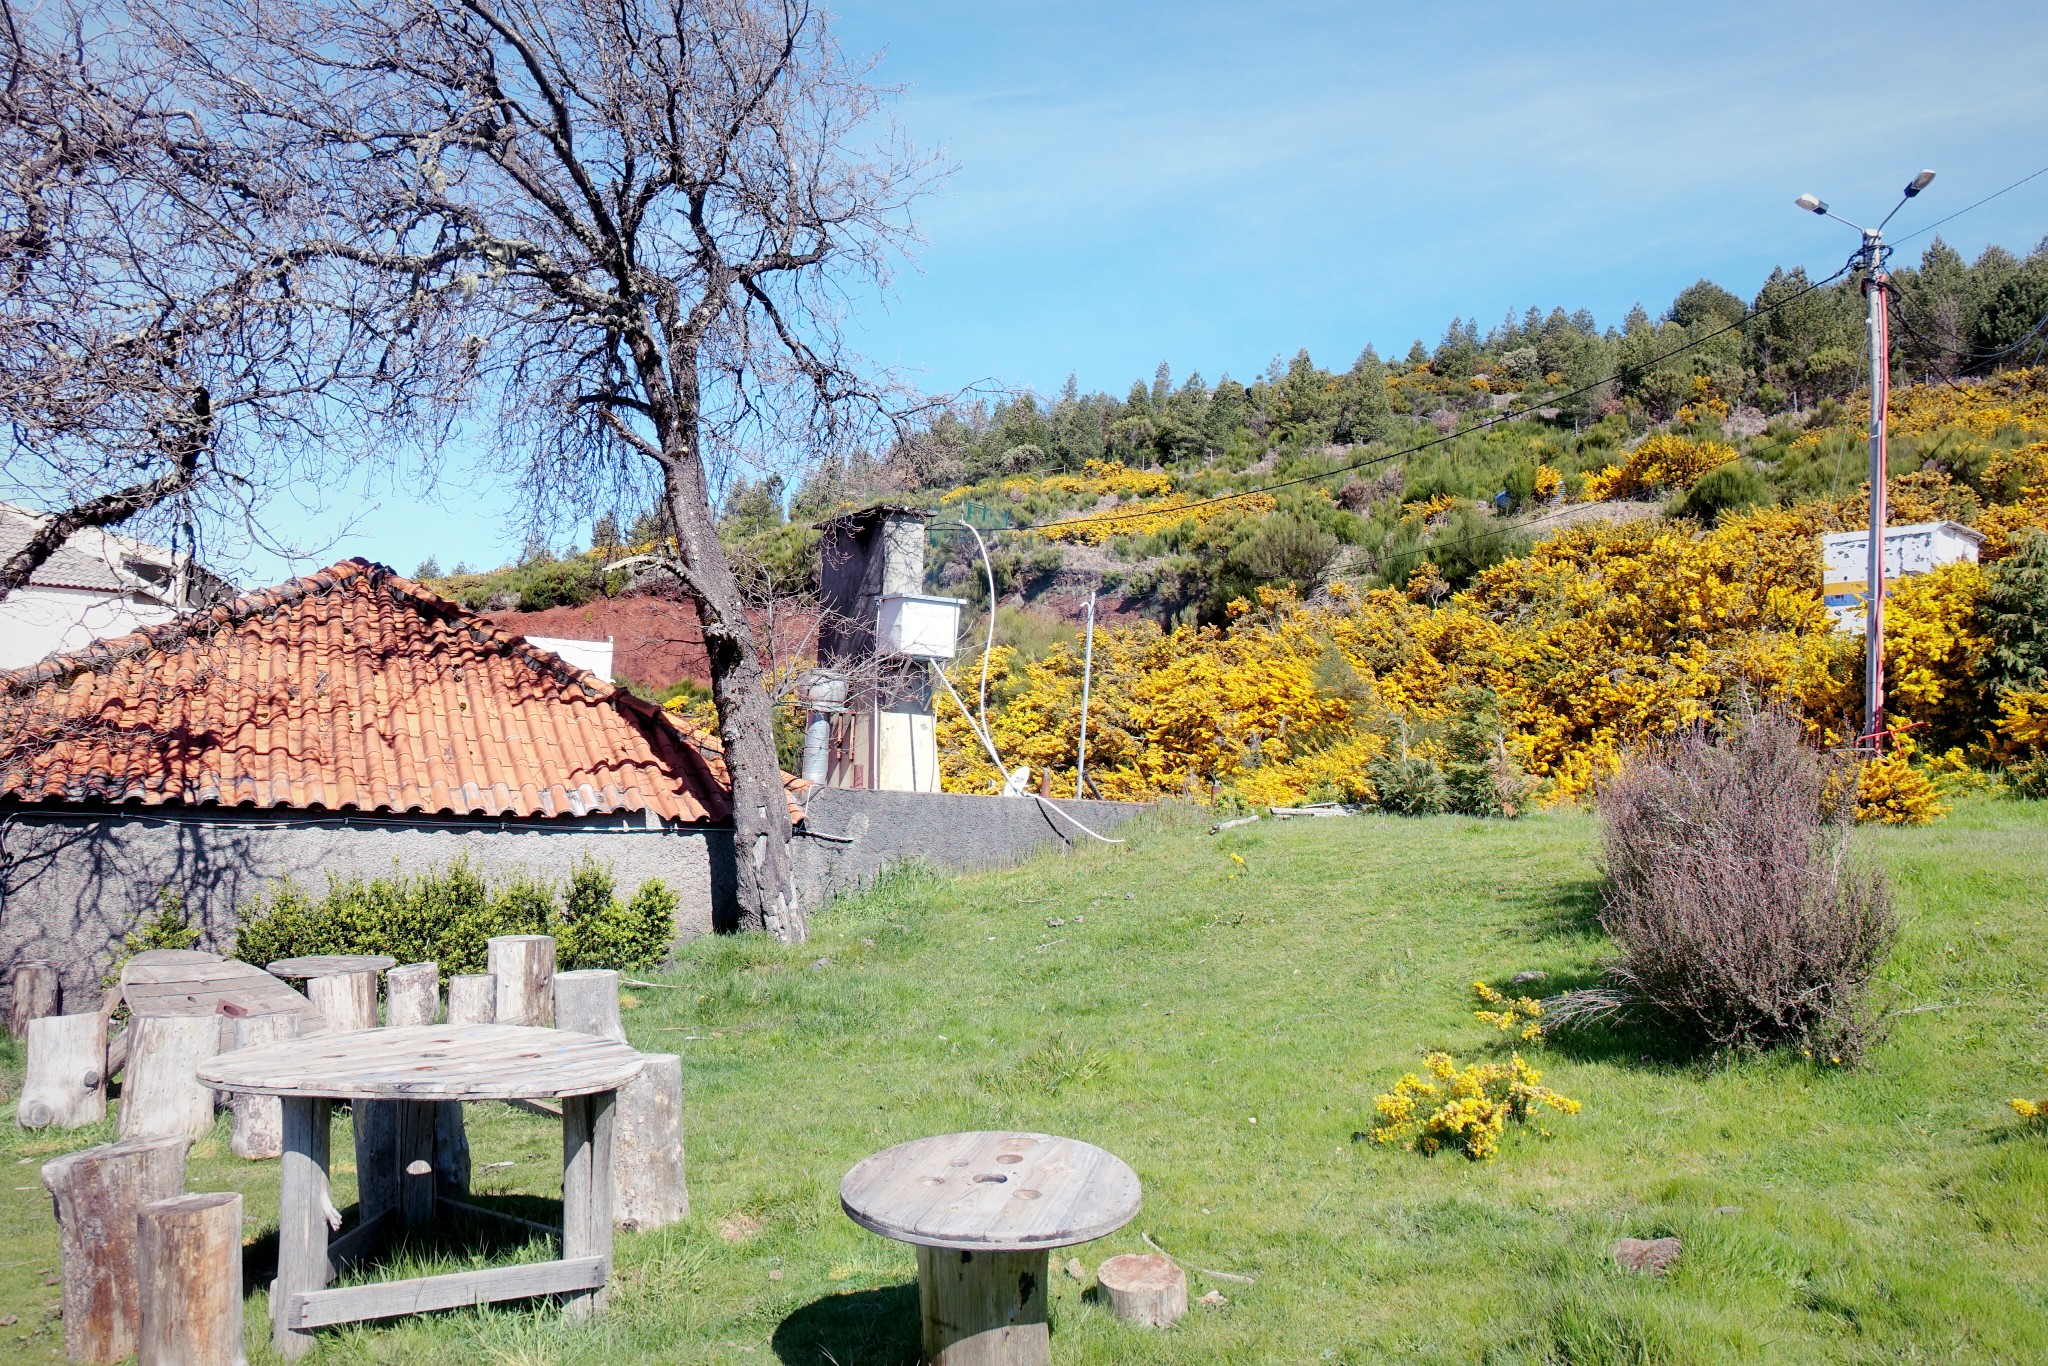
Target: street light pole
point(1876, 288)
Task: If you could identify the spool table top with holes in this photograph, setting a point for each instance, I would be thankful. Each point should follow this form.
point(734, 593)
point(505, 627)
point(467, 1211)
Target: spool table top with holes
point(416, 1066)
point(999, 1201)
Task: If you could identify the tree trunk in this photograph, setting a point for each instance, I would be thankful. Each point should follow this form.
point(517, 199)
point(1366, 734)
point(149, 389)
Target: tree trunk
point(524, 965)
point(161, 1095)
point(764, 876)
point(189, 1266)
point(257, 1130)
point(98, 1193)
point(36, 992)
point(66, 1085)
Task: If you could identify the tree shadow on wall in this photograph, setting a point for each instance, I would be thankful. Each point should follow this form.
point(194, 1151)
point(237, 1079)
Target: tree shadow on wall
point(864, 1328)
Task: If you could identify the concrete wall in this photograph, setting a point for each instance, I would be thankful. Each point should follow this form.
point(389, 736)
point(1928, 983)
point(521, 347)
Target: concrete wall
point(75, 882)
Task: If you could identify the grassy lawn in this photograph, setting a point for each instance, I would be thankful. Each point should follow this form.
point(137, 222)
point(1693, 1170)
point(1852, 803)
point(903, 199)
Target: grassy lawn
point(1224, 1031)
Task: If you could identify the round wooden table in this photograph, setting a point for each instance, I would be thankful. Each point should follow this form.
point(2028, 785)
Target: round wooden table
point(419, 1066)
point(983, 1209)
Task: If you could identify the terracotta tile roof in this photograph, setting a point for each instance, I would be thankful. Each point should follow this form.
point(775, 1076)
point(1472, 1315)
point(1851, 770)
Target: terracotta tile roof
point(350, 689)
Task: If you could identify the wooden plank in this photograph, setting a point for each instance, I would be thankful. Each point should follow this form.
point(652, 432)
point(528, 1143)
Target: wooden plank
point(360, 1242)
point(533, 1226)
point(424, 1294)
point(188, 988)
point(429, 1062)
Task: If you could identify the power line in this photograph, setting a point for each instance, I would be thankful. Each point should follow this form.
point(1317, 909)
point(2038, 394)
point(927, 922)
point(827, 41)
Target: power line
point(1967, 207)
point(1448, 437)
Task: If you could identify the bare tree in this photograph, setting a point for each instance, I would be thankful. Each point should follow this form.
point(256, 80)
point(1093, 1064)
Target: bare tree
point(648, 217)
point(160, 357)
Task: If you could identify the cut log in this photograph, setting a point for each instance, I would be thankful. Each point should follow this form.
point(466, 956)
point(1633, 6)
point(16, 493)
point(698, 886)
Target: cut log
point(588, 1002)
point(412, 994)
point(647, 1148)
point(98, 1193)
point(257, 1131)
point(473, 999)
point(1145, 1288)
point(66, 1085)
point(524, 965)
point(345, 1000)
point(189, 1265)
point(161, 1094)
point(36, 990)
point(983, 1308)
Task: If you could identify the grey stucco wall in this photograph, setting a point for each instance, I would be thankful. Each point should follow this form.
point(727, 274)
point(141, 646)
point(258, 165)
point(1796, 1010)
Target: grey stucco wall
point(74, 883)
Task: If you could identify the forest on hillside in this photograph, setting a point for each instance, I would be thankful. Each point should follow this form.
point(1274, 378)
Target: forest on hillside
point(1764, 374)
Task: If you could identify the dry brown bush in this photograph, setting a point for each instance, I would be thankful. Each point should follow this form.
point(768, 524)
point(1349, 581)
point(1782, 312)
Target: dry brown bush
point(1741, 915)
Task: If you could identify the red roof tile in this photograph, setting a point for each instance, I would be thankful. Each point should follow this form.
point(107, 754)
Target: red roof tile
point(350, 689)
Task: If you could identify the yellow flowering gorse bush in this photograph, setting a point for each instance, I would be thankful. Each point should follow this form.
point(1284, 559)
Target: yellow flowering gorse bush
point(1468, 1109)
point(1663, 461)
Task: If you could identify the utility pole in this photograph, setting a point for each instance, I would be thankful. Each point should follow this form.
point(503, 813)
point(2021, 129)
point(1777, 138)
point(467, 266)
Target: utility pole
point(1876, 288)
point(1087, 675)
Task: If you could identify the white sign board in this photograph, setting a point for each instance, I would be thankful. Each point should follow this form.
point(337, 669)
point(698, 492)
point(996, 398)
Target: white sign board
point(1908, 550)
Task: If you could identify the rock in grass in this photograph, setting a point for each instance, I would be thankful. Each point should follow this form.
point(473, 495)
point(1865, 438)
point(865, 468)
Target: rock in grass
point(1522, 979)
point(1644, 1256)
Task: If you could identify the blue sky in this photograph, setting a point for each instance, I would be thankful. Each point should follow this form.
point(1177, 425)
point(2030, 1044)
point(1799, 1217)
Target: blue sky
point(1213, 185)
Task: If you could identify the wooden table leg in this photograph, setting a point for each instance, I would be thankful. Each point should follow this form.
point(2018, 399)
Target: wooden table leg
point(415, 1160)
point(587, 1189)
point(983, 1308)
point(302, 1205)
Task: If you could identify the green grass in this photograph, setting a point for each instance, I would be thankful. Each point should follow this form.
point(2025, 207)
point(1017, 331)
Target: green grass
point(1896, 1212)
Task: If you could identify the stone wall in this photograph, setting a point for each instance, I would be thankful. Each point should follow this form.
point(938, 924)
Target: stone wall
point(74, 882)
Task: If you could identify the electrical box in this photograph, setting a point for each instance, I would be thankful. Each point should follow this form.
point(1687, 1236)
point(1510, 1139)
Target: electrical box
point(1908, 550)
point(917, 626)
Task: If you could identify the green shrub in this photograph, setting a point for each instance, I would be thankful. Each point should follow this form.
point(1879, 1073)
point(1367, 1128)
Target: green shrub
point(170, 928)
point(1411, 787)
point(2029, 780)
point(448, 917)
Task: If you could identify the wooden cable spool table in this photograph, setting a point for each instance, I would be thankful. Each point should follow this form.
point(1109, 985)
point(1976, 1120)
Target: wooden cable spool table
point(983, 1209)
point(419, 1065)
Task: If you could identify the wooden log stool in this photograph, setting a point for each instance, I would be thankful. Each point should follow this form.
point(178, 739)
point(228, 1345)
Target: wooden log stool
point(1145, 1287)
point(189, 1270)
point(66, 1084)
point(161, 1094)
point(341, 986)
point(472, 1000)
point(524, 965)
point(35, 990)
point(98, 1193)
point(983, 1209)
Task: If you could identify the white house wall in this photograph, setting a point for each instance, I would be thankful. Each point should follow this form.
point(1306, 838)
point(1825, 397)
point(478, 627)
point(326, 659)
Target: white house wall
point(38, 621)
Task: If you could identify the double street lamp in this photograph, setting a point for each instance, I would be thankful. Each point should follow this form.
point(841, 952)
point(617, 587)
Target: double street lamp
point(1870, 259)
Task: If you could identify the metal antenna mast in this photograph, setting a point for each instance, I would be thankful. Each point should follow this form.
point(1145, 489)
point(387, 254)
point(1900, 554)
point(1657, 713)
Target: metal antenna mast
point(1876, 288)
